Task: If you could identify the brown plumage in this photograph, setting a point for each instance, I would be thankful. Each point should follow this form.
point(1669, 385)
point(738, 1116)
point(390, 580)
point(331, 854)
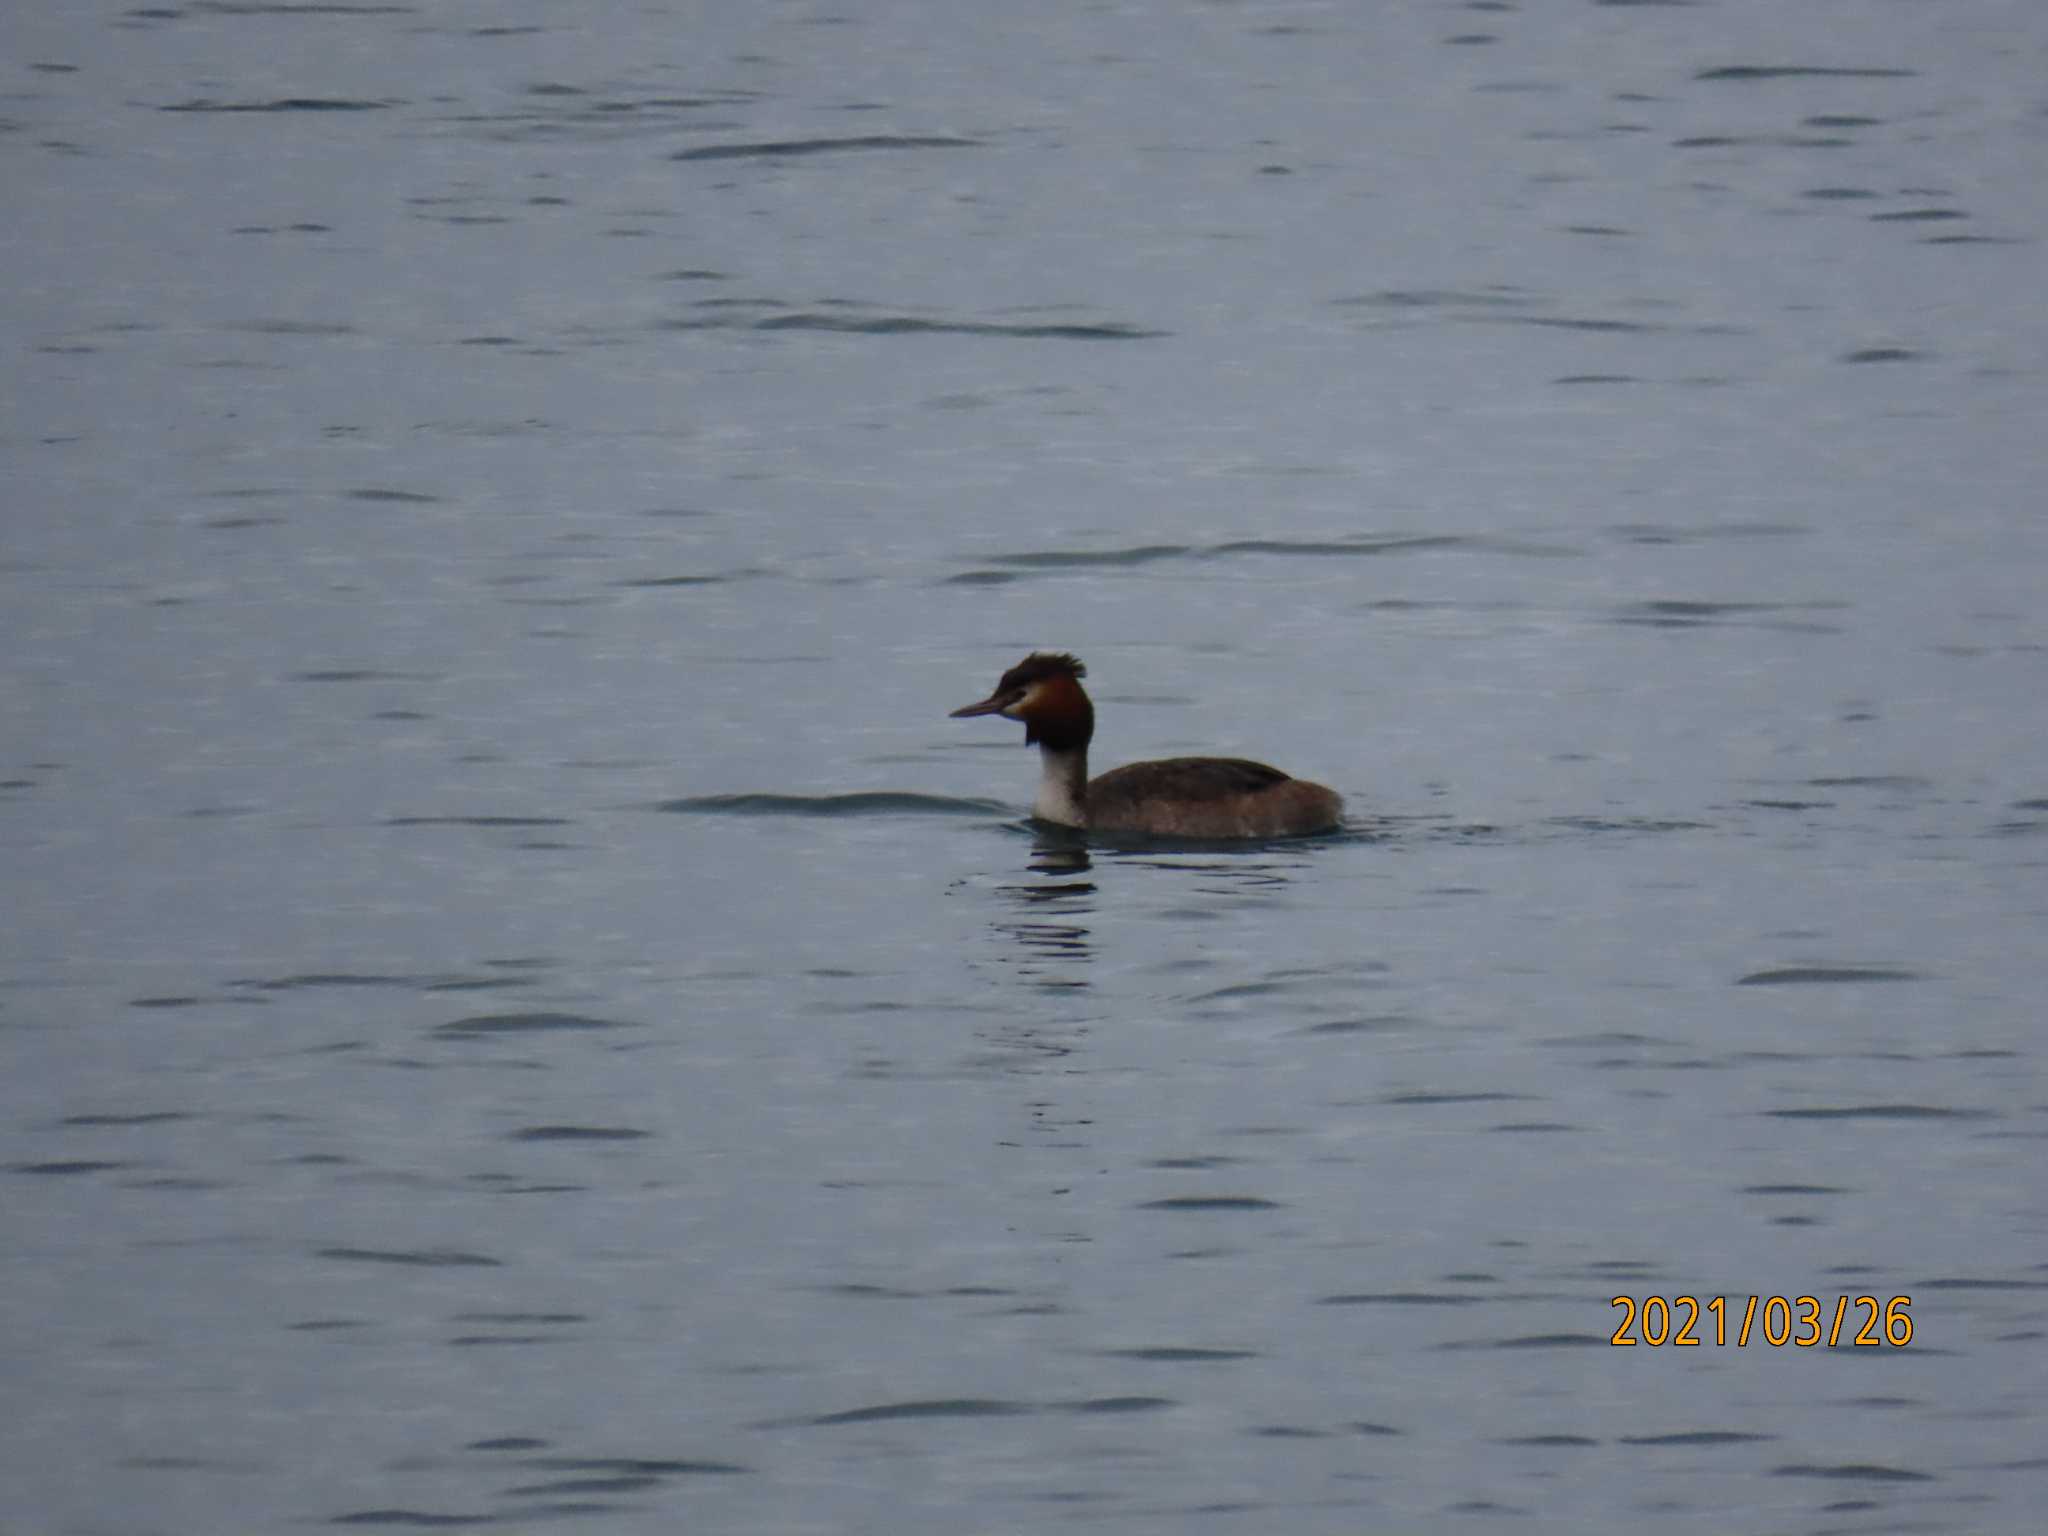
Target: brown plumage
point(1191, 797)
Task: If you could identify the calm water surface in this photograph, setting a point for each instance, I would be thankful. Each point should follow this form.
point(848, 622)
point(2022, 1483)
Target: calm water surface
point(518, 1008)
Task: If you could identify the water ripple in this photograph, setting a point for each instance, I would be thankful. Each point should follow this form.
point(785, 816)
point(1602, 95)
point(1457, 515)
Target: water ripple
point(1390, 544)
point(783, 149)
point(877, 802)
point(915, 325)
point(625, 1466)
point(577, 1133)
point(1150, 554)
point(1880, 1112)
point(1971, 1283)
point(486, 1025)
point(1129, 1404)
point(633, 1482)
point(1180, 1354)
point(1856, 1471)
point(1688, 613)
point(426, 1258)
point(1819, 975)
point(926, 1408)
point(282, 104)
point(1059, 559)
point(849, 317)
point(68, 1167)
point(1801, 71)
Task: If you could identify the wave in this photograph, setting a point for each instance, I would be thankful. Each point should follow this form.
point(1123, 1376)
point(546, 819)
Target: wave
point(873, 802)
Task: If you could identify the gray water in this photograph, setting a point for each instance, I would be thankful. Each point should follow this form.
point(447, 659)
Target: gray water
point(517, 1007)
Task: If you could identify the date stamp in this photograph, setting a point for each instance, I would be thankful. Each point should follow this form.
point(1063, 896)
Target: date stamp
point(1867, 1322)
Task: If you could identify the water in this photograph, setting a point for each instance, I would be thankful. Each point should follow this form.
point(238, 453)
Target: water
point(518, 1007)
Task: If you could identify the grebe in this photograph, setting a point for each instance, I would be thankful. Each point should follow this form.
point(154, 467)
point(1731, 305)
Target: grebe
point(1194, 797)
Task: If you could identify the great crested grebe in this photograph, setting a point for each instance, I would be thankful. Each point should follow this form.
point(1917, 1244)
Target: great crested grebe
point(1194, 797)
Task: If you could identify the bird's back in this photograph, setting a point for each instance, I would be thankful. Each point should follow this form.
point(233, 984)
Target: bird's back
point(1208, 797)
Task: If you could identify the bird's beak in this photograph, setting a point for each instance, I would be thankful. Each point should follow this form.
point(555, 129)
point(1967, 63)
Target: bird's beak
point(992, 705)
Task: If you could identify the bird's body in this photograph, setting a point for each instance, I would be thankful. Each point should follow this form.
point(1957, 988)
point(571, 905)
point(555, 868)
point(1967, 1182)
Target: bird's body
point(1188, 797)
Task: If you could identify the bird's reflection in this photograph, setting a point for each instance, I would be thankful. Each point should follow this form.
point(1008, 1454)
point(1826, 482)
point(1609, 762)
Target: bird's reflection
point(1049, 914)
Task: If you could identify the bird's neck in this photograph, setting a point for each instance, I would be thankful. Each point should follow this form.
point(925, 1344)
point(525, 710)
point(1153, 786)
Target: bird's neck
point(1062, 785)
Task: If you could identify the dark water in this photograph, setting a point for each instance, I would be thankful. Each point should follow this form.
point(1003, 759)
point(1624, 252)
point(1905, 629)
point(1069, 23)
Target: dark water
point(517, 1008)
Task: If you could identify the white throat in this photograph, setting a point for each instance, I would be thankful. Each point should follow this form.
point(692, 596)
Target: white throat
point(1062, 787)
